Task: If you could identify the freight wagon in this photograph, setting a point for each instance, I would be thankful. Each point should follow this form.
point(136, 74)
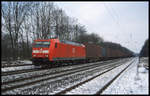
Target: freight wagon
point(96, 52)
point(93, 52)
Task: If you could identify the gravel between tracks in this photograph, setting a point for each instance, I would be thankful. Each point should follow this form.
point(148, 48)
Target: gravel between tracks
point(42, 72)
point(66, 80)
point(96, 84)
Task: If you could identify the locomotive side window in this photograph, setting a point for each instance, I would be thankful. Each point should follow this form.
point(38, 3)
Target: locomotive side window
point(38, 44)
point(55, 45)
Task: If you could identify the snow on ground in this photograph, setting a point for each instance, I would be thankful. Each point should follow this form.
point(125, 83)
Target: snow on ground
point(3, 62)
point(46, 87)
point(29, 74)
point(16, 68)
point(16, 62)
point(130, 82)
point(26, 62)
point(94, 85)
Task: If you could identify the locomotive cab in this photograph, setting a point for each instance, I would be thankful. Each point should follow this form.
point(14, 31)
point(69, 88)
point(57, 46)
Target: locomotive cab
point(40, 50)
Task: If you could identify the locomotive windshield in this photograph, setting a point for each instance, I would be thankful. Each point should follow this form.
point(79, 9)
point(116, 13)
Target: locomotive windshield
point(38, 44)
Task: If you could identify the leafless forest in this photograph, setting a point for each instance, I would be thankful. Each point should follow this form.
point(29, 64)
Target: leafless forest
point(23, 22)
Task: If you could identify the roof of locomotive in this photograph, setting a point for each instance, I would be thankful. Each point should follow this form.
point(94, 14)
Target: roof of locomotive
point(46, 39)
point(61, 41)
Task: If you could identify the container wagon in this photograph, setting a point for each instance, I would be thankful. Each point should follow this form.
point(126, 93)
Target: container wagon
point(93, 52)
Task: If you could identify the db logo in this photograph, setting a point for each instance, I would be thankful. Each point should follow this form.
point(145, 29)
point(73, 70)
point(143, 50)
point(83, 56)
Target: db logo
point(73, 50)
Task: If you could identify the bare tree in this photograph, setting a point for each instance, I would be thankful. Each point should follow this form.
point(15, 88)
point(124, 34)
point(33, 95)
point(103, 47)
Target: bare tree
point(23, 22)
point(14, 14)
point(7, 19)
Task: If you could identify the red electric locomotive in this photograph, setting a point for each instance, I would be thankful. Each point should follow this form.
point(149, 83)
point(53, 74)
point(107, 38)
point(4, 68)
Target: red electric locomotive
point(55, 50)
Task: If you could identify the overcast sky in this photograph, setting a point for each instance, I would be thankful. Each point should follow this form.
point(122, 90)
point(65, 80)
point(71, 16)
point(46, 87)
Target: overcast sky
point(121, 22)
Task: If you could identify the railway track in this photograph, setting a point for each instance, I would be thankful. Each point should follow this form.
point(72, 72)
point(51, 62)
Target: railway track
point(45, 73)
point(7, 86)
point(88, 73)
point(16, 65)
point(110, 82)
point(19, 71)
point(31, 69)
point(63, 92)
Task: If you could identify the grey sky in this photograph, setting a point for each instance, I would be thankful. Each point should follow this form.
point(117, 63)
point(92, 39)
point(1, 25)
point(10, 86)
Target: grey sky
point(121, 22)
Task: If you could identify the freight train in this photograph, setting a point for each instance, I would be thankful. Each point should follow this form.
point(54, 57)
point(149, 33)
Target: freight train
point(55, 51)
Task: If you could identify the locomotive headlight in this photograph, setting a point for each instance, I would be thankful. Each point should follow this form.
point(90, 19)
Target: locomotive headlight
point(45, 51)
